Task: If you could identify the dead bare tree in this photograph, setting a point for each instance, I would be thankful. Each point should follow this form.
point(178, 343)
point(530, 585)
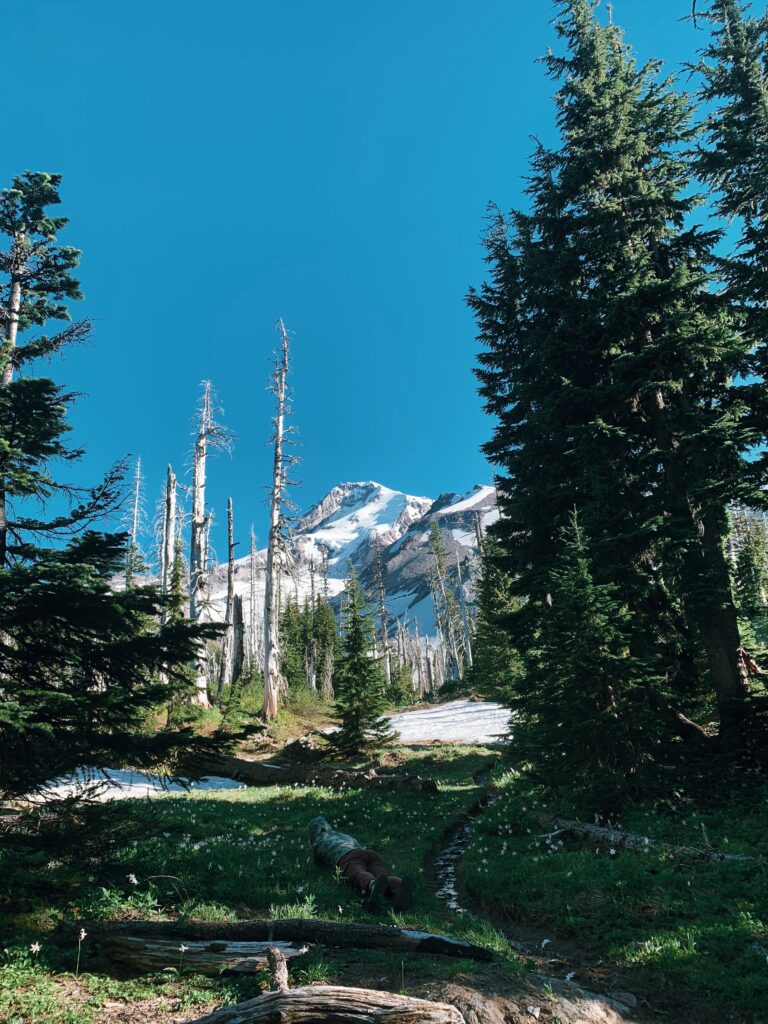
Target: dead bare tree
point(254, 620)
point(379, 581)
point(135, 523)
point(228, 644)
point(210, 436)
point(277, 549)
point(168, 539)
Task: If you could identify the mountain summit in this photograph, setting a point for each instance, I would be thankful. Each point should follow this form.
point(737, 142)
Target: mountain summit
point(348, 523)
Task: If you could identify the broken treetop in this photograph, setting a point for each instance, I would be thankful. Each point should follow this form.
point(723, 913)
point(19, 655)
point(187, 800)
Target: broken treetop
point(328, 846)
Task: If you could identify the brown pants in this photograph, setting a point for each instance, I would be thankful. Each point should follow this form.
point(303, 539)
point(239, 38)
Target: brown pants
point(362, 866)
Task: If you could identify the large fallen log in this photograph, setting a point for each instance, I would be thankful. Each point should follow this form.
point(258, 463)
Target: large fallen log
point(334, 1004)
point(263, 773)
point(617, 839)
point(298, 932)
point(147, 954)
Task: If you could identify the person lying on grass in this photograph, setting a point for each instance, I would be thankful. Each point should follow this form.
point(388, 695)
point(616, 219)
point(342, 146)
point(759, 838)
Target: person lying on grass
point(363, 867)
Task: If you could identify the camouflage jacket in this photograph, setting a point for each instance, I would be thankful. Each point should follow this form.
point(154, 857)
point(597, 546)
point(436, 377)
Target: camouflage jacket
point(328, 846)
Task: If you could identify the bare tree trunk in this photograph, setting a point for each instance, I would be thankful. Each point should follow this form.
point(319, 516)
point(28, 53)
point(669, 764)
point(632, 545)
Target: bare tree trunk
point(168, 545)
point(209, 435)
point(227, 645)
point(12, 314)
point(238, 639)
point(464, 615)
point(378, 576)
point(709, 600)
point(326, 683)
point(332, 1004)
point(197, 567)
point(274, 683)
point(132, 556)
point(253, 632)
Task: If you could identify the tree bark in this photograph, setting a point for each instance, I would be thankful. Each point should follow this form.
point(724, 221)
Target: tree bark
point(227, 644)
point(333, 1004)
point(260, 773)
point(211, 956)
point(273, 677)
point(278, 968)
point(130, 564)
point(7, 350)
point(614, 838)
point(168, 549)
point(297, 932)
point(708, 599)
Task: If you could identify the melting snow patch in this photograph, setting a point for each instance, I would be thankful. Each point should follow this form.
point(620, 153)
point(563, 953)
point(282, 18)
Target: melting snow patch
point(117, 784)
point(461, 721)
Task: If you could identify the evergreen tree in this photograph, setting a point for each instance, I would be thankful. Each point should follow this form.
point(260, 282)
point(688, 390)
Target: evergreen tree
point(293, 635)
point(81, 665)
point(751, 569)
point(326, 636)
point(359, 683)
point(498, 664)
point(582, 717)
point(609, 365)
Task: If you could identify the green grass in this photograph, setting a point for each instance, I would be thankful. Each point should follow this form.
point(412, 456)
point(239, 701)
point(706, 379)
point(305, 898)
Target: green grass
point(219, 857)
point(697, 924)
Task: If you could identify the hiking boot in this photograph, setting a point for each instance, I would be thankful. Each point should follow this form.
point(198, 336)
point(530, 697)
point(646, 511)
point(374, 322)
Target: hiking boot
point(403, 898)
point(373, 900)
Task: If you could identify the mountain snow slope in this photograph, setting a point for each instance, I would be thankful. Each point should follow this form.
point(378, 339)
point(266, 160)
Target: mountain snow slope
point(349, 521)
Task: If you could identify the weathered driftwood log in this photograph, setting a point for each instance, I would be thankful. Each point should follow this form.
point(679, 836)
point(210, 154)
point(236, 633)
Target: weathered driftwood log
point(297, 932)
point(617, 839)
point(211, 956)
point(333, 1004)
point(262, 773)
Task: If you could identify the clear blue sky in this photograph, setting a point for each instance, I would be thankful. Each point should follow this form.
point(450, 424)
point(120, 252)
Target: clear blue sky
point(229, 163)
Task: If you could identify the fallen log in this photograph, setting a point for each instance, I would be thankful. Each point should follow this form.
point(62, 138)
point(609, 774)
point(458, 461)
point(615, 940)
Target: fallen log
point(617, 839)
point(298, 932)
point(212, 957)
point(333, 1004)
point(264, 773)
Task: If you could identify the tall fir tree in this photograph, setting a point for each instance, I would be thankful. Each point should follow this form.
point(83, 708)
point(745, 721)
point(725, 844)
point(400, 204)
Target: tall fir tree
point(81, 664)
point(609, 364)
point(359, 682)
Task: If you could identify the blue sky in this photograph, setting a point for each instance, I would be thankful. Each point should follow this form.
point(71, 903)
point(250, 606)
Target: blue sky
point(226, 164)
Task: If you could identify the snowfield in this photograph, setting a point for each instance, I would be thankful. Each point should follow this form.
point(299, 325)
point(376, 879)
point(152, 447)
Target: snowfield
point(461, 721)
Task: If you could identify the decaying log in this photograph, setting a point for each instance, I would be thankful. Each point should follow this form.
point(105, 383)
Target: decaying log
point(210, 956)
point(617, 839)
point(262, 773)
point(297, 932)
point(333, 1004)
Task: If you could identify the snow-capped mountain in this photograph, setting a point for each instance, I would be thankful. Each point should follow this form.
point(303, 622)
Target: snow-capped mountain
point(348, 522)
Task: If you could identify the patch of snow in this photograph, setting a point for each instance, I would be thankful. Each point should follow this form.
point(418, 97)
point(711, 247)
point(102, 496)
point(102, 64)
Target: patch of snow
point(460, 721)
point(117, 784)
point(468, 501)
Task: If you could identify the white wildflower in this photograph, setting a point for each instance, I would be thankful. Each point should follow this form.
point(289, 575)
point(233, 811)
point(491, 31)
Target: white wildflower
point(35, 948)
point(132, 879)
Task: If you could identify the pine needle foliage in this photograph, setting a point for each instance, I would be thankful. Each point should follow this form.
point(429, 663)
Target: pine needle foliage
point(582, 717)
point(359, 682)
point(83, 664)
point(613, 368)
